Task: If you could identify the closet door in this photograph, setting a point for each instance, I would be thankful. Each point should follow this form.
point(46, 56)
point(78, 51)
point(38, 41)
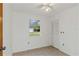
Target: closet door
point(67, 33)
point(68, 30)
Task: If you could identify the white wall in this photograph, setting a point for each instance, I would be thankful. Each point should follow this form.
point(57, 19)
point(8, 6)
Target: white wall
point(20, 32)
point(68, 23)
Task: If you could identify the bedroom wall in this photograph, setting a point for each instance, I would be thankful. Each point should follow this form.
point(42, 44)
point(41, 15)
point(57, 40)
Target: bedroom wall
point(20, 32)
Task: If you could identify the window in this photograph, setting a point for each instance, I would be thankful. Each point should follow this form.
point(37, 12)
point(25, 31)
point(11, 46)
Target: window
point(34, 26)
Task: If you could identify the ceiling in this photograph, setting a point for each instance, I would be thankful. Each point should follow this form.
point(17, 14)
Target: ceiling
point(34, 7)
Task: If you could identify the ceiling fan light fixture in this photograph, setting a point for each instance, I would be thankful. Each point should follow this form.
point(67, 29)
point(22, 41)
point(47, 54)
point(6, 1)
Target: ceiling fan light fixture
point(47, 6)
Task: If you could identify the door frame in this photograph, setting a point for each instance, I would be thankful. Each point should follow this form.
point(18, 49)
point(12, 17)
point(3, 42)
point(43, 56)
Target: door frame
point(1, 15)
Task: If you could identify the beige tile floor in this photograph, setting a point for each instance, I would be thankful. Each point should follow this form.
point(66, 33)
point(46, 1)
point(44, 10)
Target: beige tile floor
point(45, 51)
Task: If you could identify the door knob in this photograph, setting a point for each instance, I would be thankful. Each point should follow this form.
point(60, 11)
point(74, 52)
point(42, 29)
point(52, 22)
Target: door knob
point(62, 32)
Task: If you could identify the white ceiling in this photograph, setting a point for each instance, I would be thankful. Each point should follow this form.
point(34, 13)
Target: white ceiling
point(34, 7)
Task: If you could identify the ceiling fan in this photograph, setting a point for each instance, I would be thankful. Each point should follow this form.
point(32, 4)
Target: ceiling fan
point(47, 6)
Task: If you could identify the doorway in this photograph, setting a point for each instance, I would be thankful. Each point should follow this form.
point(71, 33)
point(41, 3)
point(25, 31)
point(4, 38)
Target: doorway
point(1, 29)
